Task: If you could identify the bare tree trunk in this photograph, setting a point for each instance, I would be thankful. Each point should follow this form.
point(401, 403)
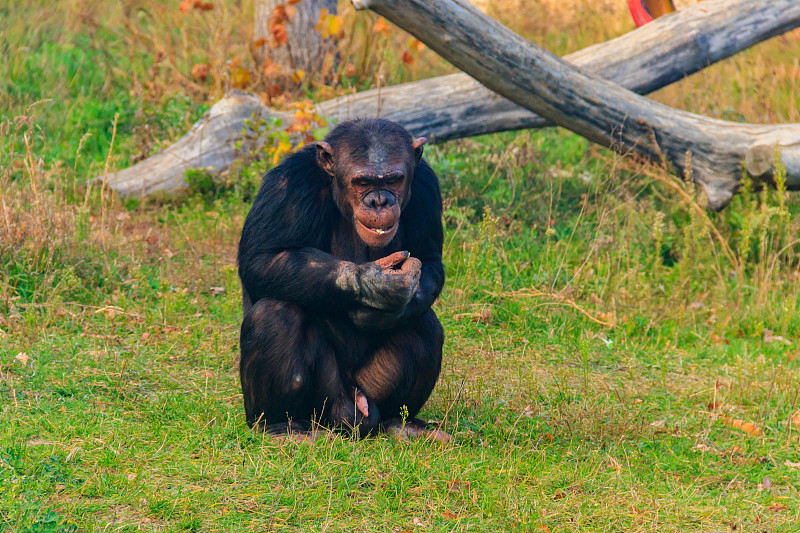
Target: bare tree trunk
point(712, 152)
point(454, 106)
point(306, 49)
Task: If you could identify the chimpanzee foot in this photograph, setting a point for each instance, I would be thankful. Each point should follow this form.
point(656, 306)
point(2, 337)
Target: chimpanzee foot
point(414, 429)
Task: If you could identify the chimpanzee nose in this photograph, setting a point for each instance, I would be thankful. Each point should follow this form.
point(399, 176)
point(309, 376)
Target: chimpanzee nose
point(380, 199)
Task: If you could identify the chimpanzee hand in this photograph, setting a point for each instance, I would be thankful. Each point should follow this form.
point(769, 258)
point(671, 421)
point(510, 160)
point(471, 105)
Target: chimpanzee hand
point(389, 283)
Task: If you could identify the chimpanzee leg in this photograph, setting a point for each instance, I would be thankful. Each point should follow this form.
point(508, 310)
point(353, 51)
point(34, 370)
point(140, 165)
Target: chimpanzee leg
point(404, 370)
point(290, 375)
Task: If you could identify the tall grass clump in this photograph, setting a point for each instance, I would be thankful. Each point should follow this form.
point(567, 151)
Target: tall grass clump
point(51, 243)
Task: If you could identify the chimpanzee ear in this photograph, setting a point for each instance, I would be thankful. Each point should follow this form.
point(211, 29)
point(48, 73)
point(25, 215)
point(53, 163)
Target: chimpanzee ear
point(418, 143)
point(325, 156)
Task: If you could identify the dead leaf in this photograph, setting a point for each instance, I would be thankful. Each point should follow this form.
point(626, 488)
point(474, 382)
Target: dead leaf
point(23, 358)
point(748, 427)
point(270, 68)
point(559, 495)
point(777, 507)
point(716, 339)
point(450, 516)
point(279, 35)
point(200, 71)
point(790, 464)
point(240, 77)
point(795, 420)
point(329, 25)
point(382, 27)
point(407, 58)
point(769, 337)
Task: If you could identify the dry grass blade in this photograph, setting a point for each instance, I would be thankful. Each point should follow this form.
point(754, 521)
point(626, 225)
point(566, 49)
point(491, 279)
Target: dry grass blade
point(555, 298)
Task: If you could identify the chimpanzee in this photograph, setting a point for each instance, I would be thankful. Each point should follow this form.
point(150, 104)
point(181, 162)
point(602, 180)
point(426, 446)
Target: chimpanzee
point(340, 261)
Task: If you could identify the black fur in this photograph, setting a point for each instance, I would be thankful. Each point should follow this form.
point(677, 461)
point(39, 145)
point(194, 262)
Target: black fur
point(307, 341)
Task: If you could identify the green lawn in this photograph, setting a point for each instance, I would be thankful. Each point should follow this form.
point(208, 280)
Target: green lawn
point(615, 359)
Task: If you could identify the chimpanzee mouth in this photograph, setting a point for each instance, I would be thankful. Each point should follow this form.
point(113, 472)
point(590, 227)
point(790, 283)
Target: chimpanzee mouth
point(379, 231)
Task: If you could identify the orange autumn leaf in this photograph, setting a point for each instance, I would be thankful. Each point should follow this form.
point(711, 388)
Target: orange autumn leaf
point(795, 420)
point(450, 516)
point(185, 6)
point(382, 27)
point(329, 25)
point(279, 34)
point(240, 77)
point(258, 43)
point(200, 71)
point(278, 15)
point(350, 70)
point(207, 6)
point(290, 2)
point(416, 45)
point(407, 58)
point(748, 427)
point(270, 68)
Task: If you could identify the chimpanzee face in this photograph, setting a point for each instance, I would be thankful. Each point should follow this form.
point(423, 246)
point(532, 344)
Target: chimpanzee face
point(371, 183)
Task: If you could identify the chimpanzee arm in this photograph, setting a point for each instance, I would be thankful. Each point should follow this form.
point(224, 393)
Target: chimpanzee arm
point(280, 254)
point(307, 276)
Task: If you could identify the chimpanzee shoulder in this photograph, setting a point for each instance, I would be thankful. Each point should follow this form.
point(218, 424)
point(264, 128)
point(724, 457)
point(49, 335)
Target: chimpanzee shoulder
point(293, 207)
point(422, 217)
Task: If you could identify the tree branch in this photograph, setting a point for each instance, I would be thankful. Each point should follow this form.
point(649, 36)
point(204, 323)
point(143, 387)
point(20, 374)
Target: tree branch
point(710, 151)
point(455, 106)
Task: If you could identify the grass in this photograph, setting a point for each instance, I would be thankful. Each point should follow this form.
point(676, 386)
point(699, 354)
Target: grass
point(616, 358)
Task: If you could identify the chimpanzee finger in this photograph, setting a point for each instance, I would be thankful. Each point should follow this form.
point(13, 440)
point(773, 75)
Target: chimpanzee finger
point(411, 266)
point(393, 260)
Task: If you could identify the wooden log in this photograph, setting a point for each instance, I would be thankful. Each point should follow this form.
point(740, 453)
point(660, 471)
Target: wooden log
point(455, 106)
point(712, 152)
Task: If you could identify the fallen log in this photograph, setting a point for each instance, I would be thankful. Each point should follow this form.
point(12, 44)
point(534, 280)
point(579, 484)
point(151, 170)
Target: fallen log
point(712, 152)
point(455, 106)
